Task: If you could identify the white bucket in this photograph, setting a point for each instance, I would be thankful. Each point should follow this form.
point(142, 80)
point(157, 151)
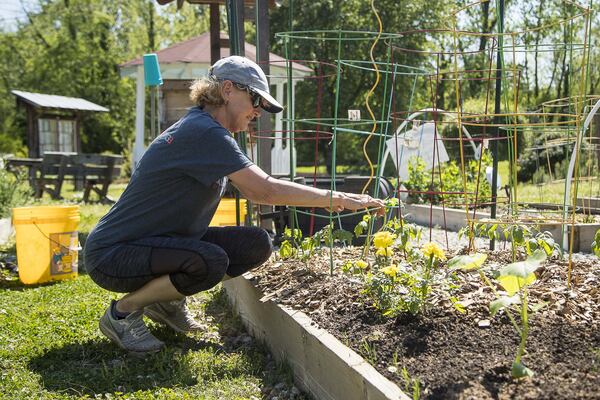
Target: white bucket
point(6, 230)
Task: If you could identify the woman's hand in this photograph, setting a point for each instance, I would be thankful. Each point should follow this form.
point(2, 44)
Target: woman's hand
point(353, 202)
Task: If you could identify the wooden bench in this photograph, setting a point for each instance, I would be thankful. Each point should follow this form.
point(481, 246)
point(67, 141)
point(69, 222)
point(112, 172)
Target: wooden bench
point(98, 172)
point(95, 171)
point(51, 174)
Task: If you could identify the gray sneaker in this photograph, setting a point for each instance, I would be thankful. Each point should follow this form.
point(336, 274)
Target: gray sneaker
point(174, 314)
point(130, 333)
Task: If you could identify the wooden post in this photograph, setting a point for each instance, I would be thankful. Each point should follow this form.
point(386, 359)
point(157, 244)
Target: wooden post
point(77, 132)
point(33, 142)
point(264, 123)
point(215, 33)
point(78, 179)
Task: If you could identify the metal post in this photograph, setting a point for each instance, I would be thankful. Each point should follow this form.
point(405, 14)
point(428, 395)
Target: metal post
point(235, 19)
point(264, 122)
point(494, 144)
point(262, 58)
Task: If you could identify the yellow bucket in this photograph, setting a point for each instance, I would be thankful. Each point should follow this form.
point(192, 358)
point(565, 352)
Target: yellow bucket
point(47, 242)
point(225, 215)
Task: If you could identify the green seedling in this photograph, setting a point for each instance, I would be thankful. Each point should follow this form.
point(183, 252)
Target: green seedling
point(293, 245)
point(521, 236)
point(355, 267)
point(515, 278)
point(289, 245)
point(411, 385)
point(369, 351)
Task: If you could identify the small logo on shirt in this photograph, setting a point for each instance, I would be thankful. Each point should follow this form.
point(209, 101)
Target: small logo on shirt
point(169, 139)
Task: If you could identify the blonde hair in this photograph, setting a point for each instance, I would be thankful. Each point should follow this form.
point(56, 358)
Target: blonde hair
point(206, 91)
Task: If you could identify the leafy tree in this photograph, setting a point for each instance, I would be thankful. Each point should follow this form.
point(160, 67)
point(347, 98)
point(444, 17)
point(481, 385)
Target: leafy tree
point(351, 15)
point(73, 48)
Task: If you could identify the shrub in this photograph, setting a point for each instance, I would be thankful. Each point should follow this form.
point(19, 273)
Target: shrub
point(14, 191)
point(448, 178)
point(548, 152)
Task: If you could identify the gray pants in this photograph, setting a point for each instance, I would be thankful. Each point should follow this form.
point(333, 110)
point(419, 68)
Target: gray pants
point(192, 265)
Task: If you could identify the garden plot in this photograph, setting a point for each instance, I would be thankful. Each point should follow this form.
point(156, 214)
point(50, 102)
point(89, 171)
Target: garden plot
point(443, 342)
point(452, 219)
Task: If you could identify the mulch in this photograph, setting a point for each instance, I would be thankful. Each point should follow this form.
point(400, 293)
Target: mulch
point(454, 355)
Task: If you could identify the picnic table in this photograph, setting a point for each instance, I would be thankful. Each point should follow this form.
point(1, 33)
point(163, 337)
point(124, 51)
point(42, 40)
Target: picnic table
point(47, 174)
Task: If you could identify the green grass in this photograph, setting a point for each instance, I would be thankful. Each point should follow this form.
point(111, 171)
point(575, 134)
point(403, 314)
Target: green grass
point(551, 192)
point(51, 348)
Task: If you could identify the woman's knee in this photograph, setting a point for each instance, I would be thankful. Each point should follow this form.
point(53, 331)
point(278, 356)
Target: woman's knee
point(200, 272)
point(258, 252)
point(262, 247)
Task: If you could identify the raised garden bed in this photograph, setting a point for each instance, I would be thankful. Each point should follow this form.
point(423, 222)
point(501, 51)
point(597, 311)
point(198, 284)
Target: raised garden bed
point(589, 202)
point(321, 364)
point(452, 354)
point(453, 219)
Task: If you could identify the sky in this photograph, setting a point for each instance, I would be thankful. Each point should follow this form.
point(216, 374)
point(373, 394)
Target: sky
point(11, 12)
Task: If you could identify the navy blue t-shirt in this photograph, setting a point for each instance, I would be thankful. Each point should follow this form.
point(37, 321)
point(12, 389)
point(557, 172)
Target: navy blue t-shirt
point(176, 187)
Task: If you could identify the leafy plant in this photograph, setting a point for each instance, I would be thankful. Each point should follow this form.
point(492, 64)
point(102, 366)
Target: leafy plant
point(596, 244)
point(366, 223)
point(405, 233)
point(423, 187)
point(419, 182)
point(396, 288)
point(14, 192)
point(289, 245)
point(522, 236)
point(514, 279)
point(400, 229)
point(293, 245)
point(355, 267)
point(433, 256)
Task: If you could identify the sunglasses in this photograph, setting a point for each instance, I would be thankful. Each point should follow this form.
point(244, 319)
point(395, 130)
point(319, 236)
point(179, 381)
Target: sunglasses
point(254, 97)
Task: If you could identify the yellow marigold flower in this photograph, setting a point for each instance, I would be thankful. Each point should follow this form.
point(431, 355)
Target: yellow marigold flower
point(361, 264)
point(433, 249)
point(391, 271)
point(383, 239)
point(385, 252)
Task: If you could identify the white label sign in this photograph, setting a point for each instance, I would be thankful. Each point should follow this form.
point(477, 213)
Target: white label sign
point(354, 115)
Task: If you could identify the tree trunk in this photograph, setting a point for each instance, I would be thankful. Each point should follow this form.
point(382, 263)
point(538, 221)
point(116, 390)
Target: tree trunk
point(441, 85)
point(151, 31)
point(552, 77)
point(566, 88)
point(485, 28)
point(536, 54)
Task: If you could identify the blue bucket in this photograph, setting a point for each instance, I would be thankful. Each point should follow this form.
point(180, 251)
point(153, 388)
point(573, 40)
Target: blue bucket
point(152, 70)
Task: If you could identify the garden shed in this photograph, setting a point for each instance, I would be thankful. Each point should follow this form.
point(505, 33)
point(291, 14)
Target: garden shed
point(54, 122)
point(183, 62)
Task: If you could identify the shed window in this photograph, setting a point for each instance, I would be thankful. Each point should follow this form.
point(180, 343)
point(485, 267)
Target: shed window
point(56, 135)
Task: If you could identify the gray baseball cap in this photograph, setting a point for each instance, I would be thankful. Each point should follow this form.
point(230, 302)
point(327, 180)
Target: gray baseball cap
point(245, 72)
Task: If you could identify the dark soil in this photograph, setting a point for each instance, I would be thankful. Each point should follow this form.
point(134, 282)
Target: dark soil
point(453, 355)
